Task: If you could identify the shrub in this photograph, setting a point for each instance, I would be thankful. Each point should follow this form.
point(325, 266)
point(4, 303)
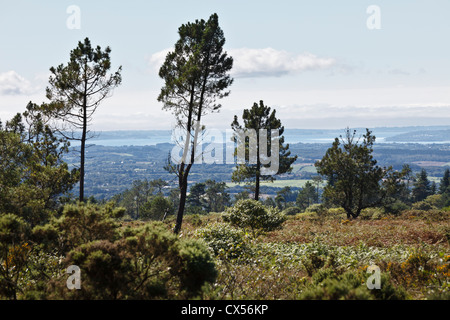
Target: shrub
point(435, 200)
point(195, 266)
point(291, 211)
point(395, 207)
point(252, 214)
point(347, 287)
point(82, 223)
point(194, 219)
point(423, 206)
point(106, 269)
point(336, 211)
point(316, 208)
point(148, 262)
point(371, 213)
point(326, 285)
point(14, 253)
point(226, 242)
point(434, 215)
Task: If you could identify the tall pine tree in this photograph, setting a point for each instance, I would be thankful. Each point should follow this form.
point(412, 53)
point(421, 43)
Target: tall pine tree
point(260, 118)
point(195, 75)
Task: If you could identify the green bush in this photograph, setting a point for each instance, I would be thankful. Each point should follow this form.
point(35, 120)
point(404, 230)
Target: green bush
point(336, 211)
point(254, 215)
point(436, 200)
point(346, 287)
point(195, 266)
point(423, 206)
point(14, 254)
point(291, 211)
point(147, 262)
point(395, 207)
point(372, 213)
point(82, 223)
point(225, 241)
point(316, 208)
point(327, 285)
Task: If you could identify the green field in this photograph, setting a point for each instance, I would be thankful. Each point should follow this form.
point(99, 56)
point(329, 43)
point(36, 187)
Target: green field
point(278, 183)
point(297, 168)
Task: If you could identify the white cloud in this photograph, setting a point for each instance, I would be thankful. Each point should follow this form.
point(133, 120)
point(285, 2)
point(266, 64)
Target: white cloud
point(266, 62)
point(156, 60)
point(270, 62)
point(11, 83)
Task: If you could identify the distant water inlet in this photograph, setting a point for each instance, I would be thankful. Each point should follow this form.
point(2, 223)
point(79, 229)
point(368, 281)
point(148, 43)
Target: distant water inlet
point(244, 146)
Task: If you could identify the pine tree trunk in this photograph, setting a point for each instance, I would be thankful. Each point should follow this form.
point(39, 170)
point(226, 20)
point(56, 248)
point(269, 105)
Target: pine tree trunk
point(257, 187)
point(83, 155)
point(183, 193)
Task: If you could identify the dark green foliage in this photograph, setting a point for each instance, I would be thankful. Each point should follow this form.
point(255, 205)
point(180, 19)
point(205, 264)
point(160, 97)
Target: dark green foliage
point(445, 182)
point(253, 215)
point(225, 241)
point(14, 253)
point(158, 208)
point(327, 285)
point(106, 269)
point(354, 178)
point(195, 266)
point(195, 76)
point(208, 196)
point(146, 262)
point(307, 196)
point(261, 117)
point(422, 186)
point(77, 89)
point(33, 174)
point(81, 223)
point(146, 200)
point(285, 198)
point(291, 211)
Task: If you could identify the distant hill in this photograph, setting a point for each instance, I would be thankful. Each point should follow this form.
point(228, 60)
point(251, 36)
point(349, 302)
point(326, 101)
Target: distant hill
point(383, 134)
point(421, 136)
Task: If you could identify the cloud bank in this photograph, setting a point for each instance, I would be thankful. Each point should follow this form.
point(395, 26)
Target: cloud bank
point(267, 62)
point(11, 83)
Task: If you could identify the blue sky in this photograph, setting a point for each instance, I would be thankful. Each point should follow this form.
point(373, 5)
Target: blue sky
point(316, 62)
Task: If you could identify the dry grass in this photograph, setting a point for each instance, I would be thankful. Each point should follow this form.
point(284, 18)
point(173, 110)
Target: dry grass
point(415, 245)
point(385, 232)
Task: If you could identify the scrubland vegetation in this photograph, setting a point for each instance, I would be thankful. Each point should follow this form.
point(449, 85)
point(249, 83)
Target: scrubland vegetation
point(247, 252)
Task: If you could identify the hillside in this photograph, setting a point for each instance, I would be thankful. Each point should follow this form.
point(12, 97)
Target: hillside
point(422, 136)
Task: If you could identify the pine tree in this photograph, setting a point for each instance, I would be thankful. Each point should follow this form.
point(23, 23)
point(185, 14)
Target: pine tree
point(354, 178)
point(195, 76)
point(422, 186)
point(77, 89)
point(257, 118)
point(445, 182)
